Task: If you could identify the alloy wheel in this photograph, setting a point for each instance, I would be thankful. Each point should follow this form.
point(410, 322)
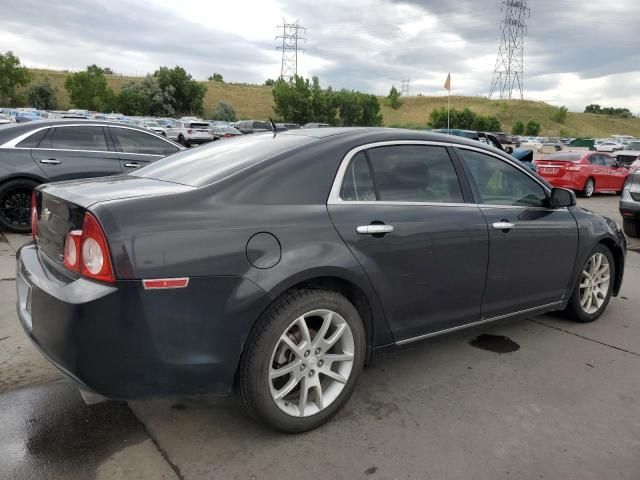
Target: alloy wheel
point(594, 283)
point(311, 363)
point(588, 188)
point(15, 207)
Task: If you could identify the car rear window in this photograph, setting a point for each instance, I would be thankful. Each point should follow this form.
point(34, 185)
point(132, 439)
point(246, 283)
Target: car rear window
point(198, 125)
point(568, 157)
point(207, 164)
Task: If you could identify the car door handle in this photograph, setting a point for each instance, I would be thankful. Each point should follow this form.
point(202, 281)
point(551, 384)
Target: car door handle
point(373, 229)
point(50, 161)
point(503, 225)
point(132, 165)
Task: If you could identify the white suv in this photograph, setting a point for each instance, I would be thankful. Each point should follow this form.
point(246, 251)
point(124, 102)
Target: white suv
point(189, 133)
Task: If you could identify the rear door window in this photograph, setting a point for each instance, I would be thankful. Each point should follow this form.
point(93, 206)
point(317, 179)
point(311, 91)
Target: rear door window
point(415, 173)
point(357, 184)
point(76, 138)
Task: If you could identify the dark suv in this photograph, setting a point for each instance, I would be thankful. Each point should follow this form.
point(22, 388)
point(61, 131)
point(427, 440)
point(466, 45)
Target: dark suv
point(47, 151)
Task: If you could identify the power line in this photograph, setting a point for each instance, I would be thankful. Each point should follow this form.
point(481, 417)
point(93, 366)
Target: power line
point(406, 87)
point(508, 73)
point(290, 37)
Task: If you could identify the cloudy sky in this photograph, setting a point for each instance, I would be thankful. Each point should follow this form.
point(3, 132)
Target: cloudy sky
point(576, 51)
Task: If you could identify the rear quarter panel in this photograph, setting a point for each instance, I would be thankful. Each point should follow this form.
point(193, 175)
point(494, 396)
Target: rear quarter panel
point(17, 162)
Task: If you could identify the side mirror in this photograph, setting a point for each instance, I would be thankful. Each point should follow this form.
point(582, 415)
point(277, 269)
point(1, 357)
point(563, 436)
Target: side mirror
point(562, 197)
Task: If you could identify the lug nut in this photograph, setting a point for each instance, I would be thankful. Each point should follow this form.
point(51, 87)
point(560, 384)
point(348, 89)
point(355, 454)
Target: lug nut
point(317, 351)
point(307, 353)
point(320, 363)
point(302, 367)
point(311, 373)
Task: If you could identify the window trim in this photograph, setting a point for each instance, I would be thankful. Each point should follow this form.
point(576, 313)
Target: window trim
point(334, 194)
point(13, 142)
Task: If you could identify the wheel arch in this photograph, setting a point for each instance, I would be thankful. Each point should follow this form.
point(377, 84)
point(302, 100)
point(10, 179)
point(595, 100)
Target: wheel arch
point(618, 258)
point(23, 176)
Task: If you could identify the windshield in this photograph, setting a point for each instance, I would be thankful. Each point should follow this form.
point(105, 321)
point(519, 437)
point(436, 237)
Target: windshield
point(204, 165)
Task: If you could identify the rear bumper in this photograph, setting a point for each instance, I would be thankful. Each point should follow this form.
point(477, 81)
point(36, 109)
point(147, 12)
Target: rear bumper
point(122, 341)
point(199, 140)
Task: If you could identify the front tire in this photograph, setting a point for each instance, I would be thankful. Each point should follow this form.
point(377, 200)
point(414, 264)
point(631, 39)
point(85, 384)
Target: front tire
point(589, 188)
point(595, 284)
point(302, 360)
point(15, 205)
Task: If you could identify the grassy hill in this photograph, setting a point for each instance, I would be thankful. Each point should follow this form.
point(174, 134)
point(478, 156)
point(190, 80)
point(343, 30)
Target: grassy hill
point(255, 101)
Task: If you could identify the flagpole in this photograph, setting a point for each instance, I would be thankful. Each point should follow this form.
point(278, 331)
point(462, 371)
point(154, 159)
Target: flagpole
point(448, 108)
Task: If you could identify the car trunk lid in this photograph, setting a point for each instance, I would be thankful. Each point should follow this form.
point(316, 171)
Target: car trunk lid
point(61, 206)
point(554, 168)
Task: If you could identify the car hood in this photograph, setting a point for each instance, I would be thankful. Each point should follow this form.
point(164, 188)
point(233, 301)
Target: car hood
point(87, 192)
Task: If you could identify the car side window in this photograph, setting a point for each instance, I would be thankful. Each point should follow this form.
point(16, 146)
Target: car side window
point(500, 183)
point(415, 173)
point(76, 138)
point(608, 161)
point(133, 141)
point(357, 184)
point(33, 140)
point(596, 160)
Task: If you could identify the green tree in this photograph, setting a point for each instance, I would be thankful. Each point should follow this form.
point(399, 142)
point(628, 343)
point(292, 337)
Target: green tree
point(532, 128)
point(560, 114)
point(187, 93)
point(146, 98)
point(394, 98)
point(88, 89)
point(216, 77)
point(292, 100)
point(269, 82)
point(12, 76)
point(322, 103)
point(518, 128)
point(43, 96)
point(224, 111)
point(493, 124)
point(357, 109)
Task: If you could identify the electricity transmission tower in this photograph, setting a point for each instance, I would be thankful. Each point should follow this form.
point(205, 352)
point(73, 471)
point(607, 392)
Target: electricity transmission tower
point(508, 73)
point(290, 37)
point(406, 86)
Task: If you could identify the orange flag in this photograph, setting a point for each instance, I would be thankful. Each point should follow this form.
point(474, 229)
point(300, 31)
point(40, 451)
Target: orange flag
point(447, 84)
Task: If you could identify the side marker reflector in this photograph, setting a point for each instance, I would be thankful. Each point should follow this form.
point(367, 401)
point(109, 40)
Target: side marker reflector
point(165, 283)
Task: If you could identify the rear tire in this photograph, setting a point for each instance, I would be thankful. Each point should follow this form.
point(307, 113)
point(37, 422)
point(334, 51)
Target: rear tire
point(589, 188)
point(15, 205)
point(631, 227)
point(320, 375)
point(594, 286)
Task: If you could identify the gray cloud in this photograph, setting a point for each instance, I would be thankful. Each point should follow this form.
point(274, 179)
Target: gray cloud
point(363, 44)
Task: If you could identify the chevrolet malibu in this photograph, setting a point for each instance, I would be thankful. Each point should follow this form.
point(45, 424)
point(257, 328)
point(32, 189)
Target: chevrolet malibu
point(279, 265)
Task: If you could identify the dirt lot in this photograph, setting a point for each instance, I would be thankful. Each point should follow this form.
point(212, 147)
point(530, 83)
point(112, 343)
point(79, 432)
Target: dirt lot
point(562, 404)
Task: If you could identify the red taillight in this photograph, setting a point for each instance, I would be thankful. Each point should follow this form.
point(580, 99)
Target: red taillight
point(573, 169)
point(87, 253)
point(227, 135)
point(34, 215)
point(189, 131)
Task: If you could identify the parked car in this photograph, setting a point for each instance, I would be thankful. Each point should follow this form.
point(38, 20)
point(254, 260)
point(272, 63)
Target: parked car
point(629, 154)
point(5, 119)
point(153, 126)
point(275, 263)
point(254, 126)
point(52, 150)
point(288, 126)
point(557, 145)
point(225, 132)
point(189, 133)
point(630, 205)
point(585, 172)
point(608, 147)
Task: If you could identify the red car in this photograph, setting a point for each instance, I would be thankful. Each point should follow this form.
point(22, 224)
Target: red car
point(585, 172)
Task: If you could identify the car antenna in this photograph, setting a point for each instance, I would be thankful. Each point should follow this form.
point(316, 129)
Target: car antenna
point(273, 127)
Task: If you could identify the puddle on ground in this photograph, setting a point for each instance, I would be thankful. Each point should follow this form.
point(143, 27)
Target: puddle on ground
point(494, 343)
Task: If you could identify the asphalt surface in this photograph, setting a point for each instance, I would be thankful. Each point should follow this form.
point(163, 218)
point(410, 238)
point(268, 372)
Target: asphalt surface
point(541, 398)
